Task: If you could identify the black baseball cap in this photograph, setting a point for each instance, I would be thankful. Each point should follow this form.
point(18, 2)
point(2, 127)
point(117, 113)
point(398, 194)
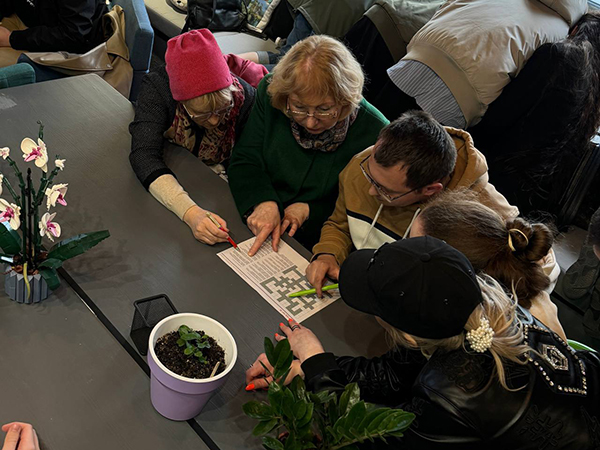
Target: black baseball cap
point(421, 286)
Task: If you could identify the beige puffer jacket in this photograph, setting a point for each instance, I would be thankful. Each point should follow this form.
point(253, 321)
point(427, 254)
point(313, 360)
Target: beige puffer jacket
point(477, 46)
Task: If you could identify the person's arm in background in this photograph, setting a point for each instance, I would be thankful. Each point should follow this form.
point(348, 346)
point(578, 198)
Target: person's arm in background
point(70, 34)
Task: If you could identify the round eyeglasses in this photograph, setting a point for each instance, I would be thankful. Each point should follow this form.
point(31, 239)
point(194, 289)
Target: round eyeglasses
point(301, 115)
point(380, 189)
point(203, 117)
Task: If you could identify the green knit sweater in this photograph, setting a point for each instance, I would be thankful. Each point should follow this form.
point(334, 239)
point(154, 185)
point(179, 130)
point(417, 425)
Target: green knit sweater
point(267, 164)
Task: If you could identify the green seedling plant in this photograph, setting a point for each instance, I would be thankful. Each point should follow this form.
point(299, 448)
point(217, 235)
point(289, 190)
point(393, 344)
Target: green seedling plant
point(193, 342)
point(296, 419)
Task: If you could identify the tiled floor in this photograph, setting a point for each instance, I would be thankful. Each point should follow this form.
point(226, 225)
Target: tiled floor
point(567, 248)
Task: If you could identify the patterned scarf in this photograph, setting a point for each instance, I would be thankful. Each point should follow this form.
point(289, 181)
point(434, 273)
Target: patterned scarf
point(328, 140)
point(216, 144)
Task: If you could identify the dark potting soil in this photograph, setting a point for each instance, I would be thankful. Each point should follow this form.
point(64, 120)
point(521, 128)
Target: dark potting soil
point(172, 356)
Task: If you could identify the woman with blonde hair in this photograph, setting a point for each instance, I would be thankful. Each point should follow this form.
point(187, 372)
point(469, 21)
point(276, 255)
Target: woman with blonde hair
point(511, 251)
point(308, 121)
point(200, 101)
point(475, 368)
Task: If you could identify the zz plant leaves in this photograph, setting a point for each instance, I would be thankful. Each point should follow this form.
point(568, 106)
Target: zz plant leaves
point(299, 420)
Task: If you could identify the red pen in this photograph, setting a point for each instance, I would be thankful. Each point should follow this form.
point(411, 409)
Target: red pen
point(218, 225)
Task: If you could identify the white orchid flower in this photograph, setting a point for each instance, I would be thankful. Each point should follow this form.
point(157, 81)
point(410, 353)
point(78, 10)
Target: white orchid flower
point(60, 163)
point(10, 212)
point(35, 152)
point(48, 228)
point(4, 152)
point(56, 194)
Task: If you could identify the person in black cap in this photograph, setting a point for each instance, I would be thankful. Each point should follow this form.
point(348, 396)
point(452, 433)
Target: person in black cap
point(473, 366)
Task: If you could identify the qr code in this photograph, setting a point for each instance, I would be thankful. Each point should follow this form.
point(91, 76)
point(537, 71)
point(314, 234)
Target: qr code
point(289, 282)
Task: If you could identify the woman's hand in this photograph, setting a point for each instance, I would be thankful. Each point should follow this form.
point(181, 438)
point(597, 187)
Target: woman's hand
point(303, 342)
point(294, 216)
point(20, 436)
point(323, 266)
point(265, 222)
point(257, 377)
point(203, 228)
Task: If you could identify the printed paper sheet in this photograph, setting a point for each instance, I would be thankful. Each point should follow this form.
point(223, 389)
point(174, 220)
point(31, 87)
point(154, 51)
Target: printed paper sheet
point(275, 275)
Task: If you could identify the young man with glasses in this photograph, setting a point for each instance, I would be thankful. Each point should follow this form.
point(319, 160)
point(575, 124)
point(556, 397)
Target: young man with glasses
point(383, 188)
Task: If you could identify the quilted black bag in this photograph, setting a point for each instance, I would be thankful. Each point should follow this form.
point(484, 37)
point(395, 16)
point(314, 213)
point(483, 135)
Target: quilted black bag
point(216, 15)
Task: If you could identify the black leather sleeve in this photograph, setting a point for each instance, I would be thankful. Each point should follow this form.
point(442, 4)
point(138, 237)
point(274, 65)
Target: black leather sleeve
point(385, 380)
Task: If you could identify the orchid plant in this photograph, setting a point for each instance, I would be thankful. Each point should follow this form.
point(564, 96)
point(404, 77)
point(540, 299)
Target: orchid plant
point(25, 251)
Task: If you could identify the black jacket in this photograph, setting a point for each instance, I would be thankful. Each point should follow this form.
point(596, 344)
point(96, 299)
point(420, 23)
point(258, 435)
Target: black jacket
point(154, 115)
point(459, 404)
point(73, 26)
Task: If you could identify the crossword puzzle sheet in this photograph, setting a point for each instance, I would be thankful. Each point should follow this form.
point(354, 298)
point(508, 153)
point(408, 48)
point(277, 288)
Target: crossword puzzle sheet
point(275, 275)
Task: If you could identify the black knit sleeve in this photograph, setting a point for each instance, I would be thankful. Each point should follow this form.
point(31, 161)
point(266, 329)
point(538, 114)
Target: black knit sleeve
point(153, 115)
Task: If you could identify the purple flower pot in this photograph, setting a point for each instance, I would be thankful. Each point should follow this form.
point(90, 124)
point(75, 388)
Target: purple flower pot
point(181, 398)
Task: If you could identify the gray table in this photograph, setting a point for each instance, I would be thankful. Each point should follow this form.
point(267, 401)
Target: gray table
point(151, 250)
point(66, 374)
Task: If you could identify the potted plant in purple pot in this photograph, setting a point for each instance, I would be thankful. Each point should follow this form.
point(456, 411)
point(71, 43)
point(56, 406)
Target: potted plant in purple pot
point(190, 357)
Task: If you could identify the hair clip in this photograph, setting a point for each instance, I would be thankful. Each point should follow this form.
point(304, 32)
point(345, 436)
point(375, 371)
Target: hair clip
point(510, 242)
point(481, 338)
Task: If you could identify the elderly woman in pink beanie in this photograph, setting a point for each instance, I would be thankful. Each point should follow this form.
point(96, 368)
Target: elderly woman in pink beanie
point(198, 103)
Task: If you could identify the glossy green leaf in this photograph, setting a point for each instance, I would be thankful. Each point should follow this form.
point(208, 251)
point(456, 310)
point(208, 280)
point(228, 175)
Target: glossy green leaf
point(371, 417)
point(283, 366)
point(258, 410)
point(282, 354)
point(51, 277)
point(272, 443)
point(10, 241)
point(264, 427)
point(356, 415)
point(180, 342)
point(299, 409)
point(298, 388)
point(188, 351)
point(51, 263)
point(269, 351)
point(304, 420)
point(184, 329)
point(288, 403)
point(349, 398)
point(77, 245)
point(275, 395)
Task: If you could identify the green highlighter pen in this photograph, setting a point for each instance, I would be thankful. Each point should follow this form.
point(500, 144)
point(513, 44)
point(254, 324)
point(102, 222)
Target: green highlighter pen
point(313, 291)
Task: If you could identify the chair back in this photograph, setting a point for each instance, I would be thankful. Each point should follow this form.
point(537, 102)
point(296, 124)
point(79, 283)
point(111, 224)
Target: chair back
point(139, 37)
point(16, 75)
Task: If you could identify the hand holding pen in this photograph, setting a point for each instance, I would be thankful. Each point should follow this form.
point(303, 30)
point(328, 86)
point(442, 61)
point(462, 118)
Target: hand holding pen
point(203, 228)
point(220, 227)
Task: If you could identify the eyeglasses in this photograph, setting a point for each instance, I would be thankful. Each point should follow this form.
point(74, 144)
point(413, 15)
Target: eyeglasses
point(301, 115)
point(380, 189)
point(203, 117)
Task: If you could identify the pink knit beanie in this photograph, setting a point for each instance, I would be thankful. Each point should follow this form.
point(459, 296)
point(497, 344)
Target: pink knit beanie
point(195, 65)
